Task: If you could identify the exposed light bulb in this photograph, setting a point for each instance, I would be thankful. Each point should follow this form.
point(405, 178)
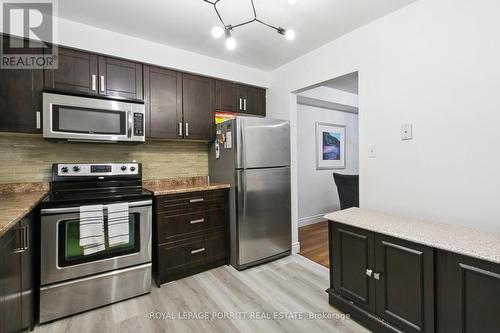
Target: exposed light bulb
point(290, 34)
point(230, 43)
point(217, 32)
point(292, 2)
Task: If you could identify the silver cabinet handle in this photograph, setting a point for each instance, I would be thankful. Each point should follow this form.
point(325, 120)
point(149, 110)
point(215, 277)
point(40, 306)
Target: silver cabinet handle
point(196, 200)
point(376, 276)
point(197, 221)
point(369, 272)
point(241, 107)
point(38, 120)
point(187, 129)
point(198, 250)
point(101, 84)
point(245, 104)
point(180, 129)
point(130, 124)
point(94, 82)
point(26, 237)
point(22, 237)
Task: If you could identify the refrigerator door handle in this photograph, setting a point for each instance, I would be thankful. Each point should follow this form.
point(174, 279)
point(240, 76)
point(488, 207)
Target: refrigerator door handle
point(242, 196)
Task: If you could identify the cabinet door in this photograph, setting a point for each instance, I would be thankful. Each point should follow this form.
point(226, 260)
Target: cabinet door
point(405, 286)
point(198, 107)
point(76, 72)
point(226, 96)
point(20, 99)
point(163, 95)
point(353, 255)
point(11, 279)
point(255, 101)
point(120, 78)
point(468, 291)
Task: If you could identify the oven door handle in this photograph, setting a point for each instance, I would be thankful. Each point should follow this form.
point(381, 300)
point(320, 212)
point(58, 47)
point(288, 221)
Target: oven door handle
point(77, 208)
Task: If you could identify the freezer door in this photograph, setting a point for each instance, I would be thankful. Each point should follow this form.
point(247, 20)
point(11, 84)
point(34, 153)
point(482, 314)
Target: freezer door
point(264, 218)
point(262, 143)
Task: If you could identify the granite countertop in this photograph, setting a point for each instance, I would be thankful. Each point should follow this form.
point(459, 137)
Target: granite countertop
point(181, 185)
point(17, 200)
point(453, 238)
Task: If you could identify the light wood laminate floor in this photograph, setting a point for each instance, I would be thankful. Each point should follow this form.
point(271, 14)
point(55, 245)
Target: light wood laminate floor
point(291, 284)
point(313, 240)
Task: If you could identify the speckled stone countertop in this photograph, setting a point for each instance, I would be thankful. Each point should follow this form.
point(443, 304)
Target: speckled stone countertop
point(448, 237)
point(181, 185)
point(17, 200)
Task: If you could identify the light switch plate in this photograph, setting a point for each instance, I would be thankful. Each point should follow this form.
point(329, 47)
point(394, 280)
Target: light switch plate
point(372, 151)
point(406, 132)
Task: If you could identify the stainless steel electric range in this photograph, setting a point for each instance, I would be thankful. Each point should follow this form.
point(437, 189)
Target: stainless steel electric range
point(82, 265)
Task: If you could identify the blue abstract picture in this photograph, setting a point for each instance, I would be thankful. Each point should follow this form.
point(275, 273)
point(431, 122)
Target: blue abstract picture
point(331, 146)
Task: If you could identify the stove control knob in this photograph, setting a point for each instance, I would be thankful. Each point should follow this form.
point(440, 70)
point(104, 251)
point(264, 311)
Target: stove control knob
point(132, 168)
point(76, 168)
point(124, 167)
point(64, 169)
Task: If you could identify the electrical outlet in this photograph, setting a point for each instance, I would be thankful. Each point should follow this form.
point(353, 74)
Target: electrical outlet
point(406, 132)
point(372, 151)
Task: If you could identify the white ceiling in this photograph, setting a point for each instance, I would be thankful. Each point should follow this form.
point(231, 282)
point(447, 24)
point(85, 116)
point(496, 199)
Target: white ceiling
point(187, 24)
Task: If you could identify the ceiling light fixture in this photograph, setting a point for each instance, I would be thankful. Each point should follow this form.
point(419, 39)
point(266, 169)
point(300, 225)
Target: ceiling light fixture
point(226, 29)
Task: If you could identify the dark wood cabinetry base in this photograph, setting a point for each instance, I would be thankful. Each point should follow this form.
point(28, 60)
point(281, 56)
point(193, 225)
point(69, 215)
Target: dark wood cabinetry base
point(190, 234)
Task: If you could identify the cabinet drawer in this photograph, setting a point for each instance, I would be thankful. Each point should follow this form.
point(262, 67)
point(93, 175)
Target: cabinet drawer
point(185, 256)
point(190, 201)
point(171, 226)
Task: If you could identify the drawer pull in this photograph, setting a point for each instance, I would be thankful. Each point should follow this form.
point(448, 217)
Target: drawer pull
point(197, 221)
point(198, 250)
point(196, 200)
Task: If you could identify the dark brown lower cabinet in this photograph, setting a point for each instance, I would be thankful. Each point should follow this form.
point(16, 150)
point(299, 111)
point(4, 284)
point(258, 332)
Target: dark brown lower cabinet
point(385, 283)
point(468, 294)
point(190, 234)
point(16, 278)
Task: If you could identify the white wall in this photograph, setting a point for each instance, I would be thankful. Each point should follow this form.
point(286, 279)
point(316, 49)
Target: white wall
point(317, 192)
point(332, 95)
point(94, 39)
point(434, 63)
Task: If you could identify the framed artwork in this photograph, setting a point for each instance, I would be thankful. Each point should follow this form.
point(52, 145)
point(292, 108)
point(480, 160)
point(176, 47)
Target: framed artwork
point(330, 146)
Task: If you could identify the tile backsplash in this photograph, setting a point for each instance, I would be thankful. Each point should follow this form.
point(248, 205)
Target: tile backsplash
point(28, 158)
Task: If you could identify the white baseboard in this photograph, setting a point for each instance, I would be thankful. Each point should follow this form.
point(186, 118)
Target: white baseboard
point(296, 247)
point(311, 220)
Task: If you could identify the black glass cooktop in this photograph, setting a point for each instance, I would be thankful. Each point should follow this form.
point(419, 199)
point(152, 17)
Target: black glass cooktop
point(94, 196)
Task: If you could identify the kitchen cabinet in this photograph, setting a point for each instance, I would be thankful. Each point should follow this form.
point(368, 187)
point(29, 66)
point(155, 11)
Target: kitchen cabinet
point(198, 107)
point(384, 282)
point(468, 294)
point(16, 277)
point(233, 97)
point(163, 99)
point(88, 73)
point(20, 99)
point(190, 234)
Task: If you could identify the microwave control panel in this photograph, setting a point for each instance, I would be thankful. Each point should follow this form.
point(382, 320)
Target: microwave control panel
point(138, 124)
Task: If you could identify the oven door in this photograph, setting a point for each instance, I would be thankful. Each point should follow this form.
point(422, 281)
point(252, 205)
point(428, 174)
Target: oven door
point(62, 257)
point(92, 119)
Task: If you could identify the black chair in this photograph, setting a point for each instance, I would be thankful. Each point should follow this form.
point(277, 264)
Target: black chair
point(348, 189)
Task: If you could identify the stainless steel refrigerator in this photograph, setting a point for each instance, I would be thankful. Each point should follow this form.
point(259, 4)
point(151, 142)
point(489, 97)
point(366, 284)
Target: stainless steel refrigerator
point(253, 155)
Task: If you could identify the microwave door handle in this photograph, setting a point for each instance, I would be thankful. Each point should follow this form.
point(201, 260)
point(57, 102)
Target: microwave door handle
point(130, 124)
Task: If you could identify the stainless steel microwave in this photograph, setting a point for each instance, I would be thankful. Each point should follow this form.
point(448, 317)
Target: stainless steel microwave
point(77, 118)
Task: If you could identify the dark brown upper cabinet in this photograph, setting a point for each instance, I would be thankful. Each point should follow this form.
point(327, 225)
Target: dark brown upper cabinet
point(20, 99)
point(120, 78)
point(253, 100)
point(163, 97)
point(240, 98)
point(198, 107)
point(88, 73)
point(226, 96)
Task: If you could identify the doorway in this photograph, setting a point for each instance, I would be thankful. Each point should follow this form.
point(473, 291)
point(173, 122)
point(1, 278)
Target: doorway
point(328, 142)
